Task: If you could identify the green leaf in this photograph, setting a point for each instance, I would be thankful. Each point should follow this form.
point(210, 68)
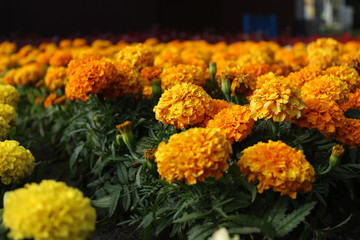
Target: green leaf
point(293, 219)
point(122, 173)
point(74, 156)
point(191, 217)
point(253, 221)
point(114, 199)
point(103, 202)
point(201, 232)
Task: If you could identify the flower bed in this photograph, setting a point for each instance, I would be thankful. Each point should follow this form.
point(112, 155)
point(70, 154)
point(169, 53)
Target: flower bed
point(179, 139)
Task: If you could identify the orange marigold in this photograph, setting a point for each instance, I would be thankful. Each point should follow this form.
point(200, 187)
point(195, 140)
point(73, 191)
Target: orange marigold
point(326, 87)
point(138, 56)
point(182, 73)
point(183, 105)
point(167, 58)
point(217, 106)
point(193, 155)
point(29, 73)
point(346, 74)
point(304, 75)
point(277, 100)
point(278, 166)
point(55, 78)
point(321, 114)
point(150, 73)
point(241, 82)
point(60, 58)
point(353, 102)
point(267, 77)
point(349, 132)
point(235, 122)
point(88, 77)
point(324, 52)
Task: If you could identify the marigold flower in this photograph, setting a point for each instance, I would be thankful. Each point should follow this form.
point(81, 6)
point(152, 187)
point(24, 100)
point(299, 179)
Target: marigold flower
point(346, 74)
point(150, 73)
point(183, 105)
point(9, 95)
point(167, 58)
point(321, 114)
point(8, 78)
point(277, 100)
point(79, 42)
point(235, 122)
point(7, 47)
point(182, 74)
point(60, 58)
point(217, 106)
point(324, 52)
point(304, 75)
point(4, 129)
point(353, 102)
point(16, 162)
point(49, 210)
point(55, 78)
point(29, 73)
point(267, 77)
point(349, 132)
point(257, 69)
point(8, 112)
point(65, 43)
point(241, 82)
point(193, 155)
point(326, 87)
point(138, 56)
point(278, 166)
point(89, 76)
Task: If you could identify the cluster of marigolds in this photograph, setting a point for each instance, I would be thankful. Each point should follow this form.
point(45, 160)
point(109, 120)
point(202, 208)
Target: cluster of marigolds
point(310, 85)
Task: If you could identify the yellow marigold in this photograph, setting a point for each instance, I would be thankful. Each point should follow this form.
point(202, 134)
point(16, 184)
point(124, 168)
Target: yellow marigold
point(304, 75)
point(241, 82)
point(101, 43)
point(7, 61)
point(29, 73)
point(89, 76)
point(60, 58)
point(7, 47)
point(267, 77)
point(321, 114)
point(326, 87)
point(167, 58)
point(193, 155)
point(353, 102)
point(8, 112)
point(138, 56)
point(183, 105)
point(9, 95)
point(4, 129)
point(8, 78)
point(295, 58)
point(324, 52)
point(49, 210)
point(254, 57)
point(235, 122)
point(346, 74)
point(278, 166)
point(150, 73)
point(349, 132)
point(277, 100)
point(182, 73)
point(16, 162)
point(127, 81)
point(55, 78)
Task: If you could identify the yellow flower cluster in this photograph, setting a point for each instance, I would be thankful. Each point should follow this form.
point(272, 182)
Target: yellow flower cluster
point(8, 112)
point(49, 210)
point(27, 74)
point(16, 162)
point(278, 166)
point(193, 155)
point(183, 105)
point(235, 122)
point(277, 100)
point(4, 129)
point(9, 95)
point(137, 56)
point(324, 52)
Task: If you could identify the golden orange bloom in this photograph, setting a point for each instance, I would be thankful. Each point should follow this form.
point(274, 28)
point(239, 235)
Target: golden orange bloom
point(353, 102)
point(79, 42)
point(277, 100)
point(324, 52)
point(29, 73)
point(346, 74)
point(217, 106)
point(183, 105)
point(326, 87)
point(182, 74)
point(295, 58)
point(267, 77)
point(235, 122)
point(137, 56)
point(150, 73)
point(65, 43)
point(349, 133)
point(55, 78)
point(88, 76)
point(167, 59)
point(278, 166)
point(304, 75)
point(241, 82)
point(257, 69)
point(8, 78)
point(7, 47)
point(193, 155)
point(321, 114)
point(60, 58)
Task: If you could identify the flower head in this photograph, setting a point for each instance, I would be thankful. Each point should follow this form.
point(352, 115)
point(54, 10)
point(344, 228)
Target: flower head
point(8, 112)
point(16, 162)
point(138, 56)
point(217, 106)
point(304, 75)
point(235, 122)
point(4, 129)
point(277, 100)
point(346, 74)
point(353, 102)
point(241, 82)
point(55, 78)
point(278, 166)
point(49, 210)
point(9, 95)
point(183, 105)
point(60, 58)
point(349, 132)
point(324, 52)
point(193, 155)
point(29, 73)
point(150, 73)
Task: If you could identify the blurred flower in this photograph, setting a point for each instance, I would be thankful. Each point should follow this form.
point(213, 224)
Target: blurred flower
point(55, 78)
point(348, 75)
point(349, 132)
point(150, 73)
point(193, 155)
point(241, 82)
point(304, 75)
point(321, 114)
point(9, 95)
point(4, 129)
point(29, 73)
point(49, 210)
point(235, 122)
point(183, 105)
point(137, 56)
point(278, 166)
point(8, 112)
point(7, 47)
point(223, 234)
point(324, 52)
point(277, 100)
point(60, 58)
point(16, 162)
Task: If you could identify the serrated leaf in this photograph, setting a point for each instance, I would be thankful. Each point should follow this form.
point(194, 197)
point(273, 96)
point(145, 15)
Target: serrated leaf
point(74, 156)
point(114, 199)
point(103, 202)
point(253, 221)
point(201, 232)
point(191, 217)
point(122, 173)
point(293, 219)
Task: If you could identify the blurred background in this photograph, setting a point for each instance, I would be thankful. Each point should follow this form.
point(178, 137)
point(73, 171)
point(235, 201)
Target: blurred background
point(257, 17)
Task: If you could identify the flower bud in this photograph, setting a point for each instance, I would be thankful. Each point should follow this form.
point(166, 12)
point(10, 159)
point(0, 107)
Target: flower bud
point(126, 134)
